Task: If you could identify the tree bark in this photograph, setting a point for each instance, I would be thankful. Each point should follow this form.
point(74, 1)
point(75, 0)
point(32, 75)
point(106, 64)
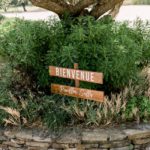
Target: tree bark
point(115, 10)
point(81, 5)
point(103, 6)
point(24, 7)
point(50, 5)
point(77, 7)
point(5, 9)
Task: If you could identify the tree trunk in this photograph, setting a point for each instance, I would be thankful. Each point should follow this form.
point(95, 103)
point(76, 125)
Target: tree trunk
point(75, 8)
point(24, 7)
point(5, 9)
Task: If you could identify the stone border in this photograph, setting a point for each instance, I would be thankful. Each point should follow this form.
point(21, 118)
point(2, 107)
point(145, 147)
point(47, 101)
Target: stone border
point(137, 138)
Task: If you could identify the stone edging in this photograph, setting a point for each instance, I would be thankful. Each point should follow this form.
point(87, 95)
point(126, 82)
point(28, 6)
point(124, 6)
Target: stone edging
point(133, 138)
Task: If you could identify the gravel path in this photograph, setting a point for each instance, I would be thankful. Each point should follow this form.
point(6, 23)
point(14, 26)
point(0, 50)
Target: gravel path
point(130, 13)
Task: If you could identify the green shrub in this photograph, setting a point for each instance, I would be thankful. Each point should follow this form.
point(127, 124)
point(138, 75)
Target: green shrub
point(23, 107)
point(145, 2)
point(143, 31)
point(34, 108)
point(115, 49)
point(1, 17)
point(112, 48)
point(5, 81)
point(25, 43)
point(138, 108)
point(105, 46)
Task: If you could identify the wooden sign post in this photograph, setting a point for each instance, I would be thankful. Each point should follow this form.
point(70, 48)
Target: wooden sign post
point(77, 83)
point(77, 75)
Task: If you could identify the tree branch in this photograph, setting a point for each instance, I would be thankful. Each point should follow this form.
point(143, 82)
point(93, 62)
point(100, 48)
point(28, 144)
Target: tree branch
point(103, 6)
point(78, 7)
point(115, 10)
point(62, 3)
point(57, 6)
point(81, 5)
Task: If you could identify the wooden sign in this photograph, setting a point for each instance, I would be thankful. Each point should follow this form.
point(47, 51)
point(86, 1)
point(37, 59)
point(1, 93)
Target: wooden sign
point(76, 74)
point(77, 92)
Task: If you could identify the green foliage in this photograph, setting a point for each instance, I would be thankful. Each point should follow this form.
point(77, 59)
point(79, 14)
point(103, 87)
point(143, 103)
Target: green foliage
point(34, 109)
point(138, 108)
point(54, 116)
point(38, 109)
point(143, 31)
point(138, 2)
point(146, 2)
point(1, 17)
point(26, 43)
point(5, 80)
point(19, 2)
point(4, 4)
point(105, 46)
point(115, 49)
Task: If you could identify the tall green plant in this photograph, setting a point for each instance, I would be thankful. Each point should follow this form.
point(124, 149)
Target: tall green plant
point(115, 49)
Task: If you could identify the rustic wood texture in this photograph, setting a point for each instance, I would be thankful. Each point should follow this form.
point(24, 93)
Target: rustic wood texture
point(77, 82)
point(77, 92)
point(87, 76)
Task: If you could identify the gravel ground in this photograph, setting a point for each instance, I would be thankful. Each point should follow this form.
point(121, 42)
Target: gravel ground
point(130, 13)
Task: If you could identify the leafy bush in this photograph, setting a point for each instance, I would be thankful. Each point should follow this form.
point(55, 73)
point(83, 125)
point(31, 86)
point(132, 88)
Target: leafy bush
point(5, 80)
point(105, 46)
point(1, 17)
point(137, 2)
point(36, 109)
point(146, 2)
point(25, 43)
point(112, 48)
point(115, 49)
point(19, 106)
point(4, 4)
point(138, 108)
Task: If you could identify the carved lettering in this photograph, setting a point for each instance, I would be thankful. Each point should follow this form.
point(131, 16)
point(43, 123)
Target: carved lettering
point(77, 92)
point(87, 76)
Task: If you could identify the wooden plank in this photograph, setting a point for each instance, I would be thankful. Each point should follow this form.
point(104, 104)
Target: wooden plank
point(77, 92)
point(75, 74)
point(77, 82)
